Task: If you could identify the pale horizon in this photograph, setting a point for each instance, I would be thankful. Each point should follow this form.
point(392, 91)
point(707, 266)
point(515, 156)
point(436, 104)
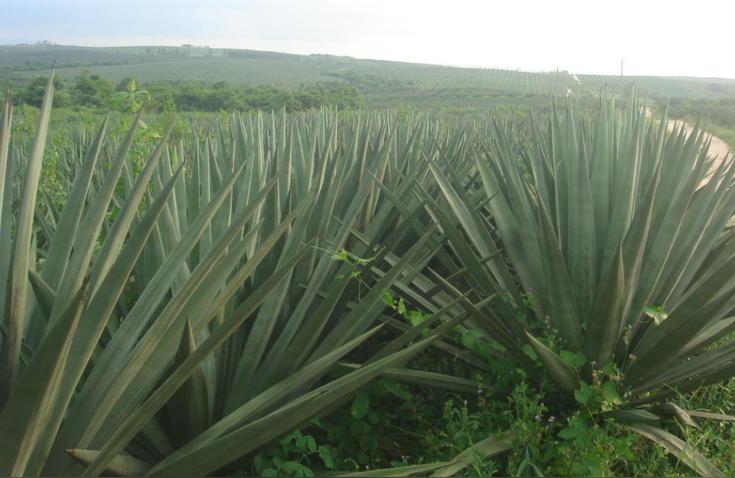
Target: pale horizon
point(527, 35)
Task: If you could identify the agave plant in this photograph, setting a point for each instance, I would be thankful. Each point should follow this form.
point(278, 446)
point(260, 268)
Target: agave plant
point(175, 316)
point(606, 245)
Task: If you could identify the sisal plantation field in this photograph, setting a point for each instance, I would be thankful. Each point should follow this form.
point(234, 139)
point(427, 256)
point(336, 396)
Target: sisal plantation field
point(535, 290)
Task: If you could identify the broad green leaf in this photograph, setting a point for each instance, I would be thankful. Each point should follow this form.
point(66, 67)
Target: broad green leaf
point(610, 393)
point(66, 228)
point(5, 126)
point(25, 416)
point(360, 406)
point(96, 316)
point(239, 442)
point(267, 400)
point(137, 420)
point(22, 260)
point(560, 373)
point(682, 450)
point(490, 446)
point(121, 465)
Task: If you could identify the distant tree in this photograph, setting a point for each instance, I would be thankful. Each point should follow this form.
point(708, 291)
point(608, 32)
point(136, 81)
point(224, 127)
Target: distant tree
point(91, 90)
point(127, 95)
point(130, 98)
point(161, 98)
point(33, 94)
point(125, 84)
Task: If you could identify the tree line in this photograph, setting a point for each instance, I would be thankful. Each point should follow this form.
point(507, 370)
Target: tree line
point(92, 90)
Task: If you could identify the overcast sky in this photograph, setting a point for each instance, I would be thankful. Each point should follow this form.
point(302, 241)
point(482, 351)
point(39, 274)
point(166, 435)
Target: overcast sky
point(656, 37)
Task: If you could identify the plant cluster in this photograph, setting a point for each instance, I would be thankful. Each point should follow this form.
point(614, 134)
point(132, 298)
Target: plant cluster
point(295, 294)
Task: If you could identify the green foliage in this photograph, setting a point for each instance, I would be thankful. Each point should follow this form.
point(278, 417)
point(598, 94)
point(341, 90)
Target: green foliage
point(188, 294)
point(588, 449)
point(221, 96)
point(360, 406)
point(717, 116)
point(34, 91)
point(414, 317)
point(91, 90)
point(359, 436)
point(382, 83)
point(123, 332)
point(596, 220)
point(295, 455)
point(129, 98)
point(594, 264)
point(719, 112)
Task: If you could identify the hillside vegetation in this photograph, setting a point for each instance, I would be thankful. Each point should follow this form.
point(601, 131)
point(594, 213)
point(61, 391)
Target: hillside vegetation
point(384, 83)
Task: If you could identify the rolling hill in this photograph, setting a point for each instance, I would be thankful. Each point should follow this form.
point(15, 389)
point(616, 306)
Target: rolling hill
point(382, 82)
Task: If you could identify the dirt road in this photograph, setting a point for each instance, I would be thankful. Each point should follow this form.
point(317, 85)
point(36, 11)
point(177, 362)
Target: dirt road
point(717, 148)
